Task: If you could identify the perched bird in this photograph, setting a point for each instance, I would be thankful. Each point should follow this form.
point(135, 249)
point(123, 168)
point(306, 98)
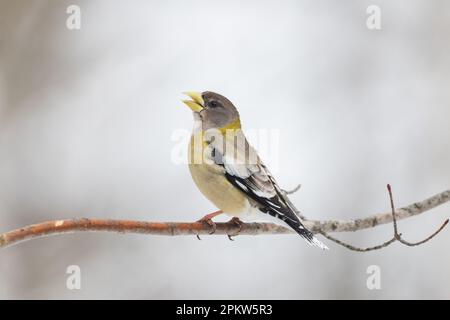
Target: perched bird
point(229, 172)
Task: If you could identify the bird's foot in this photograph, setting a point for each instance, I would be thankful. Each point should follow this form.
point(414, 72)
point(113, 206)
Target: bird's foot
point(208, 220)
point(210, 223)
point(238, 222)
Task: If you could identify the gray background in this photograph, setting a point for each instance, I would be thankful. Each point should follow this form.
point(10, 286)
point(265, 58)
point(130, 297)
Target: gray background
point(86, 119)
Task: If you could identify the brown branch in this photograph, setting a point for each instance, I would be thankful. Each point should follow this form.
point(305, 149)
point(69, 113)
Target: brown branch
point(131, 226)
point(222, 228)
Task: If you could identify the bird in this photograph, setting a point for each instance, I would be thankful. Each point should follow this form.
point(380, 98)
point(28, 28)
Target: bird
point(229, 172)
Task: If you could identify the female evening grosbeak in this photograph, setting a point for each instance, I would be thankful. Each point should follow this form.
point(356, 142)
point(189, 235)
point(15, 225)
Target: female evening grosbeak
point(229, 172)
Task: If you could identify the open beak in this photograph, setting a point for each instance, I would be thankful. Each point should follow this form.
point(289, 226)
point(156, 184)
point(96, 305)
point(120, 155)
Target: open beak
point(197, 103)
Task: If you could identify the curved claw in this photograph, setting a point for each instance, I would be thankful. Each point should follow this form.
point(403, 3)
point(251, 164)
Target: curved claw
point(208, 220)
point(210, 223)
point(236, 221)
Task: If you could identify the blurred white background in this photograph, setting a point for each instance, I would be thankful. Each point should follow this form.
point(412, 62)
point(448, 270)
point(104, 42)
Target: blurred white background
point(86, 118)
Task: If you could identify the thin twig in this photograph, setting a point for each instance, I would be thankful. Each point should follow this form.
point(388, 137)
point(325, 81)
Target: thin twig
point(353, 248)
point(397, 236)
point(410, 244)
point(287, 192)
point(394, 219)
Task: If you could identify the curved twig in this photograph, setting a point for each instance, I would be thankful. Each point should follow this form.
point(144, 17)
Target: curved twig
point(398, 236)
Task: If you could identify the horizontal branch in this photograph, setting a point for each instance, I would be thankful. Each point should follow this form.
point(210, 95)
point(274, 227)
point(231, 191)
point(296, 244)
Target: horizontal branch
point(414, 209)
point(131, 226)
point(221, 228)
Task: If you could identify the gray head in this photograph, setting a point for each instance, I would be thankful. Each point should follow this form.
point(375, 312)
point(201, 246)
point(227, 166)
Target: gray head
point(214, 109)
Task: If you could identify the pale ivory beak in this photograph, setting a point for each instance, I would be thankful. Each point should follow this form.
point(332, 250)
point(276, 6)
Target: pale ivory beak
point(197, 103)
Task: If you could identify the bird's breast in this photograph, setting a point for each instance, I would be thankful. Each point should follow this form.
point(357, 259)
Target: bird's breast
point(211, 181)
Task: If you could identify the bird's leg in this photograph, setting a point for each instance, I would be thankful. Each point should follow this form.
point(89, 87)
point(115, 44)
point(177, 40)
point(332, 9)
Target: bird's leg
point(211, 215)
point(208, 220)
point(238, 222)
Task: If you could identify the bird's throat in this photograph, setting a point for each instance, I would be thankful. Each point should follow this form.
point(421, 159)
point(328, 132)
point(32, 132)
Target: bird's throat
point(234, 125)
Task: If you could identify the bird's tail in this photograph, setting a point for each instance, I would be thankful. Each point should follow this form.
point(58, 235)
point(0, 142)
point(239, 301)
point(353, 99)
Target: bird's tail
point(305, 234)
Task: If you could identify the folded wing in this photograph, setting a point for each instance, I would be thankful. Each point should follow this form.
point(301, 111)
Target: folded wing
point(245, 171)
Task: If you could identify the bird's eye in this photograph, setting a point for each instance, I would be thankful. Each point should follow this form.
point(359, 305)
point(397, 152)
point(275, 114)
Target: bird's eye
point(213, 104)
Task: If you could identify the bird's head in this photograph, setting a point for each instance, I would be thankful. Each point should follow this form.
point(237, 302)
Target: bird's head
point(214, 110)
